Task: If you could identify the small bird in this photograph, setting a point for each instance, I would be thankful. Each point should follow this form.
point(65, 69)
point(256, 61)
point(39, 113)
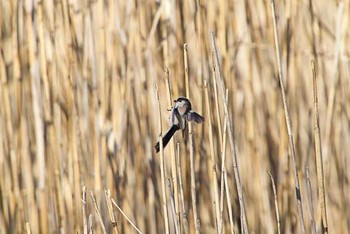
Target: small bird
point(180, 114)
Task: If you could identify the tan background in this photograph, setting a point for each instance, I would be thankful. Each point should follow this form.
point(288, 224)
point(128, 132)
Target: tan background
point(78, 107)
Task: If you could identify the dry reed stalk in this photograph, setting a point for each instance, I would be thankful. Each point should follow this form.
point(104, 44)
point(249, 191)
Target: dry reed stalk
point(85, 221)
point(212, 165)
point(164, 31)
point(172, 201)
point(110, 211)
point(126, 217)
point(315, 30)
point(232, 141)
point(172, 150)
point(91, 224)
point(76, 169)
point(276, 203)
point(217, 108)
point(98, 62)
point(191, 143)
point(28, 231)
point(39, 124)
point(288, 122)
point(318, 152)
point(162, 167)
point(229, 206)
point(334, 77)
point(43, 64)
point(223, 172)
point(309, 192)
point(28, 176)
point(98, 213)
point(152, 221)
point(183, 212)
point(57, 159)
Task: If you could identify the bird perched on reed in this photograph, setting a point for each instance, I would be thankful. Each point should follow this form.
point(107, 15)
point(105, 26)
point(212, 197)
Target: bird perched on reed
point(181, 112)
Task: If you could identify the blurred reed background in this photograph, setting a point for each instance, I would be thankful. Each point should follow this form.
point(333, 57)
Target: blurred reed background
point(78, 108)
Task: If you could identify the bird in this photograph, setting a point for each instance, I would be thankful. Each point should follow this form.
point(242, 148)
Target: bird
point(181, 113)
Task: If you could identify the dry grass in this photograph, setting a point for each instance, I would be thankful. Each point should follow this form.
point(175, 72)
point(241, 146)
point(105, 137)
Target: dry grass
point(79, 108)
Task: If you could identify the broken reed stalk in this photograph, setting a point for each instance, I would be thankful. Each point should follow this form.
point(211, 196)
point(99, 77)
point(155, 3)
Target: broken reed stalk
point(83, 200)
point(125, 216)
point(309, 192)
point(213, 165)
point(190, 137)
point(28, 228)
point(318, 152)
point(162, 167)
point(110, 211)
point(288, 122)
point(231, 137)
point(184, 215)
point(98, 213)
point(276, 203)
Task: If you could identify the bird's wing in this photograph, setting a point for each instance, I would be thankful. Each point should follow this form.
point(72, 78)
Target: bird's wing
point(193, 116)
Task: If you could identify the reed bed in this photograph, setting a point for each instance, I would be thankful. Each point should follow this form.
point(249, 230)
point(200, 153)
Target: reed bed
point(85, 91)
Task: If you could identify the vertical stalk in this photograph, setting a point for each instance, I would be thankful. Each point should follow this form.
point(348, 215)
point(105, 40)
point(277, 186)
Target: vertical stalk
point(288, 122)
point(190, 136)
point(231, 138)
point(162, 168)
point(319, 159)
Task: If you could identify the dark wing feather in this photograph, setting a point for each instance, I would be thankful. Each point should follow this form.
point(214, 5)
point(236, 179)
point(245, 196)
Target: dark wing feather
point(193, 116)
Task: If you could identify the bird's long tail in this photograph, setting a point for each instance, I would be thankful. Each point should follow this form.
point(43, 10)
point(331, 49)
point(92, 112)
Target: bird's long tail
point(167, 136)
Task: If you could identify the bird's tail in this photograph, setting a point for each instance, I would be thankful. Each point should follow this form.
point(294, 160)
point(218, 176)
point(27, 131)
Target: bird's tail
point(167, 136)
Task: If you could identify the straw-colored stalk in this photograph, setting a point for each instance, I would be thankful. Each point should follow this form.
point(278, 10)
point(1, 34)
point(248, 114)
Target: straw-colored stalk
point(162, 168)
point(244, 220)
point(288, 122)
point(319, 158)
point(213, 165)
point(183, 209)
point(98, 213)
point(276, 203)
point(110, 211)
point(190, 138)
point(311, 208)
point(172, 150)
